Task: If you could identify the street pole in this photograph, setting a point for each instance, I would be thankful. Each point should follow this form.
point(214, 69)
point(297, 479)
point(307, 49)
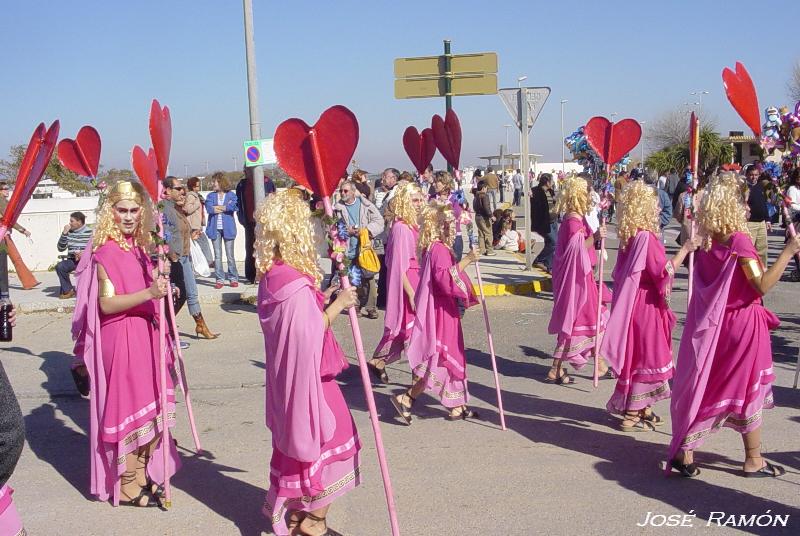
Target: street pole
point(252, 95)
point(235, 163)
point(522, 114)
point(186, 170)
point(643, 123)
point(563, 165)
point(448, 84)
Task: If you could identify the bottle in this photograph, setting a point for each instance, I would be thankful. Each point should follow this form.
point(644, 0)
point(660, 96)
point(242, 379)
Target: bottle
point(5, 311)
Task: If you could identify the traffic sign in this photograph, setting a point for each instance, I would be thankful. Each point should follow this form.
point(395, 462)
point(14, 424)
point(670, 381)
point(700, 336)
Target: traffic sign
point(435, 86)
point(259, 152)
point(536, 97)
point(426, 66)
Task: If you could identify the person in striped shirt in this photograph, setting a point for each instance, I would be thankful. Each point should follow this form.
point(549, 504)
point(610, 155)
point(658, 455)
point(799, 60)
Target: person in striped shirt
point(73, 240)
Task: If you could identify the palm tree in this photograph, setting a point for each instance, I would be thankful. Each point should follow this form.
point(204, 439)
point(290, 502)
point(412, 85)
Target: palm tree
point(714, 151)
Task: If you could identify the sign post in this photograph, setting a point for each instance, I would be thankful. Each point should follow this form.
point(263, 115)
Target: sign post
point(259, 153)
point(524, 105)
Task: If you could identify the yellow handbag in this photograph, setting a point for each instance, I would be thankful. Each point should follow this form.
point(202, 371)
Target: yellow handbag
point(367, 258)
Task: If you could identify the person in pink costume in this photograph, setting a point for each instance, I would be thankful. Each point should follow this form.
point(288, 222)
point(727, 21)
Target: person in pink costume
point(115, 325)
point(315, 444)
point(436, 348)
point(12, 439)
point(638, 340)
point(10, 522)
point(724, 371)
point(403, 278)
point(574, 316)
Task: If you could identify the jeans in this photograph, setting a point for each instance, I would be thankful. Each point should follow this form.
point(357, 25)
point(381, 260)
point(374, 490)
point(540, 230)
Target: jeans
point(458, 247)
point(484, 234)
point(493, 198)
point(202, 241)
point(232, 274)
point(190, 285)
point(502, 194)
point(249, 249)
point(177, 280)
point(545, 257)
point(63, 269)
point(517, 197)
point(367, 293)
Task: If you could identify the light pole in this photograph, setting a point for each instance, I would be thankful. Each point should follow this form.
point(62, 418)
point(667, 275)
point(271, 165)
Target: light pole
point(700, 98)
point(252, 95)
point(235, 163)
point(613, 115)
point(507, 127)
point(563, 166)
point(186, 170)
point(520, 80)
point(644, 138)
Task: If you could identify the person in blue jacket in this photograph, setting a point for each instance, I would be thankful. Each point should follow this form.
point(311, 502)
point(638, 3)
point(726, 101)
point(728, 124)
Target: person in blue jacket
point(221, 205)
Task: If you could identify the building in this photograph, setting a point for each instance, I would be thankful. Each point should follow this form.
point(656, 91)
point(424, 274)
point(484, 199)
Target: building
point(746, 149)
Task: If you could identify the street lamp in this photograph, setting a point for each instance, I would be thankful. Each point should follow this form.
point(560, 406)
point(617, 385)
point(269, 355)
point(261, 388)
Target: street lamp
point(613, 115)
point(507, 127)
point(644, 138)
point(700, 98)
point(520, 80)
point(563, 102)
point(689, 106)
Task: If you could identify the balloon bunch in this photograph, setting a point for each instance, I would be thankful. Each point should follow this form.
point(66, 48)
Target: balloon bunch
point(781, 130)
point(584, 155)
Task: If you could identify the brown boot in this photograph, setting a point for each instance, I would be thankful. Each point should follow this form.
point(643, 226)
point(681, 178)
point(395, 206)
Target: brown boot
point(201, 329)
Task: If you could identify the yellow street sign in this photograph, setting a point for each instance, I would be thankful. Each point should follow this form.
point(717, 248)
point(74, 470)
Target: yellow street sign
point(425, 66)
point(434, 86)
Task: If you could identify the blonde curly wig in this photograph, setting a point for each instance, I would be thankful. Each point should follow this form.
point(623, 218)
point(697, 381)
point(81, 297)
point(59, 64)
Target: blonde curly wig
point(107, 229)
point(639, 210)
point(574, 196)
point(404, 206)
point(284, 232)
point(438, 223)
point(723, 208)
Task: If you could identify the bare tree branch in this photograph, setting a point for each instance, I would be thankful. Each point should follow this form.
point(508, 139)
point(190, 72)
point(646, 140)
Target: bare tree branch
point(793, 85)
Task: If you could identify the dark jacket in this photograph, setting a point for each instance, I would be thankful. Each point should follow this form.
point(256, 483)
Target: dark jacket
point(482, 206)
point(12, 429)
point(540, 211)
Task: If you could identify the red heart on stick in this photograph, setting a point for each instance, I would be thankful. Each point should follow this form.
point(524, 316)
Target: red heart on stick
point(34, 163)
point(447, 134)
point(81, 155)
point(335, 135)
point(741, 92)
point(161, 135)
point(420, 147)
point(146, 168)
point(612, 141)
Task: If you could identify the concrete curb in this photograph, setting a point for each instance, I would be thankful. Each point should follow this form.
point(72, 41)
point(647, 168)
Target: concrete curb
point(530, 288)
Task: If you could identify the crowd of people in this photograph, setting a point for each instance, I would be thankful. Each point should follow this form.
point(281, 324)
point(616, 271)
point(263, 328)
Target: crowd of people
point(415, 225)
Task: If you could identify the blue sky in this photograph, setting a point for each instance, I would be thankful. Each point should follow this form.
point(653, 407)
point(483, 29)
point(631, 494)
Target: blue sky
point(101, 62)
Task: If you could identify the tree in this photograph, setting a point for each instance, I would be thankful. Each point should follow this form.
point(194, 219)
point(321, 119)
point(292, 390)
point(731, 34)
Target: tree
point(714, 151)
point(794, 82)
point(114, 175)
point(672, 128)
point(55, 171)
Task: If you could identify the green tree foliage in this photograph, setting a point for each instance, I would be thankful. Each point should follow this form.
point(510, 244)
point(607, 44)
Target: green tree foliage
point(714, 151)
point(55, 171)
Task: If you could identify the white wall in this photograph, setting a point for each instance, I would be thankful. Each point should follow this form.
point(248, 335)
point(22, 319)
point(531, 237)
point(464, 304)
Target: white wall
point(46, 218)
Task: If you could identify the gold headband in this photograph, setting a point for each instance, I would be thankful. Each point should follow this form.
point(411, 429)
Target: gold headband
point(298, 192)
point(125, 191)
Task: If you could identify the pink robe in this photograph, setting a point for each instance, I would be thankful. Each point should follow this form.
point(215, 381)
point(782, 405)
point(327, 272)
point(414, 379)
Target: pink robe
point(638, 340)
point(575, 294)
point(401, 259)
point(724, 373)
point(121, 353)
point(10, 522)
point(436, 348)
point(315, 444)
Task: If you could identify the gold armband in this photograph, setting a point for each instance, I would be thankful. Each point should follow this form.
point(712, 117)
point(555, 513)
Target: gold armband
point(106, 289)
point(751, 267)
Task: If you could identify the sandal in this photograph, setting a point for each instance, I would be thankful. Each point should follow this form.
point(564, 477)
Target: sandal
point(402, 409)
point(651, 417)
point(638, 425)
point(378, 373)
point(463, 415)
point(328, 531)
point(129, 477)
point(564, 379)
point(767, 471)
point(688, 470)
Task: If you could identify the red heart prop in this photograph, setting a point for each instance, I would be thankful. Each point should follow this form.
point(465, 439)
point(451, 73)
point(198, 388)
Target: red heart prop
point(333, 138)
point(161, 135)
point(34, 163)
point(694, 142)
point(447, 134)
point(420, 147)
point(612, 141)
point(81, 155)
point(146, 168)
point(741, 92)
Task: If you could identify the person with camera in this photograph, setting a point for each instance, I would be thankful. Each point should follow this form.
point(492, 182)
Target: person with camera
point(73, 240)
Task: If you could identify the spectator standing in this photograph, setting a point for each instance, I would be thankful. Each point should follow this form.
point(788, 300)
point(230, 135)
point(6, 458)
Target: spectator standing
point(672, 182)
point(221, 228)
point(664, 203)
point(358, 213)
point(73, 240)
point(426, 181)
point(492, 182)
point(361, 181)
point(757, 222)
point(517, 181)
point(245, 213)
point(384, 192)
point(483, 219)
point(178, 233)
point(26, 277)
point(544, 215)
point(195, 211)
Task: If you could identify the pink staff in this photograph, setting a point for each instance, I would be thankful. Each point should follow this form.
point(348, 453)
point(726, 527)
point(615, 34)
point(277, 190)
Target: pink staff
point(604, 203)
point(793, 234)
point(329, 158)
point(694, 155)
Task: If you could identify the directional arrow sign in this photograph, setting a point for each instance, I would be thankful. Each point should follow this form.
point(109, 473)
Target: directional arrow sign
point(536, 97)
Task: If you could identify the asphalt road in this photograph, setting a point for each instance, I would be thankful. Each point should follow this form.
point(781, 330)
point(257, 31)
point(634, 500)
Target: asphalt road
point(562, 467)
